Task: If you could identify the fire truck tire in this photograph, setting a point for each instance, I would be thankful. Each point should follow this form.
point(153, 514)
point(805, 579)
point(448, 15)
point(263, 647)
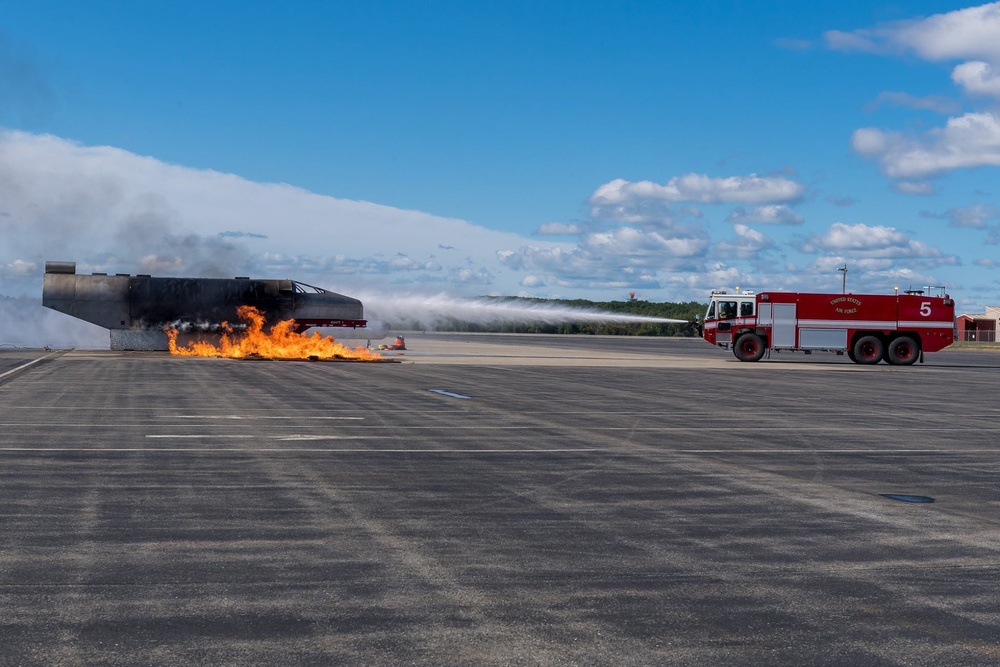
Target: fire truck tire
point(903, 351)
point(868, 350)
point(749, 347)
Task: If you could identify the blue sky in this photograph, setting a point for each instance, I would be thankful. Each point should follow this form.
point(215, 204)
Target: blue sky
point(555, 149)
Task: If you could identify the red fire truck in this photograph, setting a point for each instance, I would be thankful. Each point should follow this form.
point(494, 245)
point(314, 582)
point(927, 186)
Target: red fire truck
point(897, 328)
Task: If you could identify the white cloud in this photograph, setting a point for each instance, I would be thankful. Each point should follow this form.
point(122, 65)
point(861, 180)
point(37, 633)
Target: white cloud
point(970, 140)
point(633, 243)
point(20, 267)
point(621, 256)
point(559, 229)
point(481, 276)
point(776, 214)
point(748, 243)
point(978, 78)
point(699, 188)
point(987, 262)
point(971, 217)
point(919, 188)
point(964, 34)
point(865, 241)
point(830, 264)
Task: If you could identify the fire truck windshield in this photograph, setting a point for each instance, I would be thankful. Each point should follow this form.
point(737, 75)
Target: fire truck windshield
point(727, 310)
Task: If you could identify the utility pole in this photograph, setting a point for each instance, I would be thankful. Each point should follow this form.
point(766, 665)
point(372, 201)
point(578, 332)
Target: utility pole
point(843, 269)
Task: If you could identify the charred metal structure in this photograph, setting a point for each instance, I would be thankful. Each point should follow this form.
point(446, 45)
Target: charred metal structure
point(138, 308)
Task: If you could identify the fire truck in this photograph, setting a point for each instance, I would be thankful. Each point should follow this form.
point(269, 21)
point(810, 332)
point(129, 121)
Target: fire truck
point(869, 328)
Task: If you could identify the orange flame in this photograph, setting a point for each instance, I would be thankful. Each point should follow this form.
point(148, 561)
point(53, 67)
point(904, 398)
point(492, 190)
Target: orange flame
point(282, 342)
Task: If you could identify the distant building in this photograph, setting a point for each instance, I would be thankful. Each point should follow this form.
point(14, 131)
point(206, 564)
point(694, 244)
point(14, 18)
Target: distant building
point(978, 328)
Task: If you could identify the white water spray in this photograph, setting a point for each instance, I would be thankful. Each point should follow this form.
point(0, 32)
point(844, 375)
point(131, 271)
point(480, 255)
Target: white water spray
point(434, 311)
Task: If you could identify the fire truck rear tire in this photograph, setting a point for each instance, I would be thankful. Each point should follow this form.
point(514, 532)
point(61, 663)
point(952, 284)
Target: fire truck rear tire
point(868, 350)
point(902, 351)
point(749, 347)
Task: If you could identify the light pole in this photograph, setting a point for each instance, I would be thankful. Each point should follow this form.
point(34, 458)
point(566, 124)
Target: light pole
point(843, 287)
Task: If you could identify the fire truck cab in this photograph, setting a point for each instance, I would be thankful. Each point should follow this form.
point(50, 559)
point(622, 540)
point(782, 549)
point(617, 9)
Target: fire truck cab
point(869, 328)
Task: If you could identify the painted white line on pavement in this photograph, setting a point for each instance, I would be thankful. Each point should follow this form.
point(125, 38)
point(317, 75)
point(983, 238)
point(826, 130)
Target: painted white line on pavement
point(249, 417)
point(23, 366)
point(154, 450)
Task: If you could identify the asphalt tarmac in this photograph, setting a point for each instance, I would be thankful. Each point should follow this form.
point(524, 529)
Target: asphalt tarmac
point(499, 500)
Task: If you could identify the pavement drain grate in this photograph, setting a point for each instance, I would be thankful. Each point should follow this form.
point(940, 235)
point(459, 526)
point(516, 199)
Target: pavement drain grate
point(907, 498)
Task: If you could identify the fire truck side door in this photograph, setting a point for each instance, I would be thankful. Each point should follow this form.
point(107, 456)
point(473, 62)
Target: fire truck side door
point(783, 331)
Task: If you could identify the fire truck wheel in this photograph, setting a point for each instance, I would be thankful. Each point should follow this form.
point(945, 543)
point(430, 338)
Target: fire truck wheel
point(903, 351)
point(749, 347)
point(868, 350)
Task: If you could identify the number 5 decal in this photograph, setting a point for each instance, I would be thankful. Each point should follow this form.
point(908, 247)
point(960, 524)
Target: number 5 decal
point(925, 308)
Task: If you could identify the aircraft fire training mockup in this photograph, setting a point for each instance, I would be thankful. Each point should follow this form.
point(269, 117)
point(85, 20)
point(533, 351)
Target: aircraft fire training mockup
point(138, 309)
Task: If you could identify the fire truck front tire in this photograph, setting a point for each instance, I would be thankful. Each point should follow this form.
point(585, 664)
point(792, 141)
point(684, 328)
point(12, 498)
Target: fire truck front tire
point(868, 350)
point(902, 351)
point(749, 347)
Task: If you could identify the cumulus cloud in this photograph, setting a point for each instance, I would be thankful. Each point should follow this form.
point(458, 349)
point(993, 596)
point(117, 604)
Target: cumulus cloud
point(621, 256)
point(970, 140)
point(19, 267)
point(831, 264)
point(866, 274)
point(871, 241)
point(559, 229)
point(632, 240)
point(774, 214)
point(976, 216)
point(967, 141)
point(748, 243)
point(965, 34)
point(699, 188)
point(978, 78)
point(632, 243)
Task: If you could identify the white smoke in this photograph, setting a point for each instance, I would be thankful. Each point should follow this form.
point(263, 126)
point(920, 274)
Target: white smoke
point(113, 211)
point(24, 322)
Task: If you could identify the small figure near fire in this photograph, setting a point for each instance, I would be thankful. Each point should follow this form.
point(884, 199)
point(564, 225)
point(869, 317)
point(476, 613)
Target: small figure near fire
point(398, 344)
